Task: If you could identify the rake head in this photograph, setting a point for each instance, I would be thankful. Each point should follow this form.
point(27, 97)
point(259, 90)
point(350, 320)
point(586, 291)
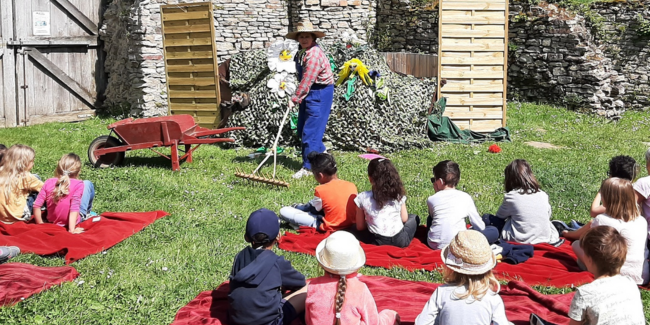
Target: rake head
point(261, 179)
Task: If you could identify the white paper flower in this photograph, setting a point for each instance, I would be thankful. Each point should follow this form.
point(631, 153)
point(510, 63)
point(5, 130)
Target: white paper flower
point(282, 84)
point(280, 55)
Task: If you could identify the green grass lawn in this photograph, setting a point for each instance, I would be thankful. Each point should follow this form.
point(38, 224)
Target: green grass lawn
point(209, 207)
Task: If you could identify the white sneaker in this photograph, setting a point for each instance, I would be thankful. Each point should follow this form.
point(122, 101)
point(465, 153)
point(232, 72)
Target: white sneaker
point(302, 173)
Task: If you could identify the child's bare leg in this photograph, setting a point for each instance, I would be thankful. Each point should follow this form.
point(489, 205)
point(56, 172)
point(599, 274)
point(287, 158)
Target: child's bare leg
point(297, 299)
point(574, 235)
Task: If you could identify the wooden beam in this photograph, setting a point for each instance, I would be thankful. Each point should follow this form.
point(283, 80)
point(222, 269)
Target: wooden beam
point(62, 117)
point(59, 74)
point(52, 41)
point(10, 104)
point(79, 16)
point(186, 16)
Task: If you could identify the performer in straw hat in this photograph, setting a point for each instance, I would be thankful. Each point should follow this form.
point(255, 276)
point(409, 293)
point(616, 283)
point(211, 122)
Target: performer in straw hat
point(315, 92)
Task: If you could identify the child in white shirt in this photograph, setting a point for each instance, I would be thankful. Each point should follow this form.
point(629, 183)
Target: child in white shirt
point(449, 207)
point(381, 217)
point(611, 298)
point(470, 295)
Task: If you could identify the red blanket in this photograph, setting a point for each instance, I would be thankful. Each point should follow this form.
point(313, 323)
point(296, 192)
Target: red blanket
point(550, 266)
point(210, 307)
point(19, 281)
point(47, 239)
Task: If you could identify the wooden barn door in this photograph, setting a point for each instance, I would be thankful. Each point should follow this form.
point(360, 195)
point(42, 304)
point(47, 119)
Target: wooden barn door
point(51, 65)
point(473, 58)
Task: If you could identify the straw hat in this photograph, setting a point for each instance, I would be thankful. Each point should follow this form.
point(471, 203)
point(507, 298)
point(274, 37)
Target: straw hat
point(469, 253)
point(340, 253)
point(305, 26)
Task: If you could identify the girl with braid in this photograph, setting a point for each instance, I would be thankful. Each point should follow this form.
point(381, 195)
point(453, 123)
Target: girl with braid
point(339, 297)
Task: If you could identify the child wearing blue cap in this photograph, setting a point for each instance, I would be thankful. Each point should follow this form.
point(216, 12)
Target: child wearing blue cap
point(259, 277)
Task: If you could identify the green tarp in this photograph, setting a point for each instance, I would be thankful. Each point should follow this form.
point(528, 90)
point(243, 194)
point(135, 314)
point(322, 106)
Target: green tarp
point(441, 128)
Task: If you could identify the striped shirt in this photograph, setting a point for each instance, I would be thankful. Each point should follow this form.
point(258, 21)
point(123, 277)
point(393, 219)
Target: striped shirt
point(316, 70)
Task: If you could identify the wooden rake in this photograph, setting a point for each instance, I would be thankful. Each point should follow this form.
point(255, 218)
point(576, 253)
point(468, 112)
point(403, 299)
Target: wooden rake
point(261, 178)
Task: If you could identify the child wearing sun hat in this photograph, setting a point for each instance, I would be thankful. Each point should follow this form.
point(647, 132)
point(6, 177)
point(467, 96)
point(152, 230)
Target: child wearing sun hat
point(470, 295)
point(339, 297)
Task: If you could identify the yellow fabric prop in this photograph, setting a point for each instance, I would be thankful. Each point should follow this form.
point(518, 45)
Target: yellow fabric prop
point(351, 67)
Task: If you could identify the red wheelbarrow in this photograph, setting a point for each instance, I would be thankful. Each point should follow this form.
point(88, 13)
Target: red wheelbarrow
point(150, 133)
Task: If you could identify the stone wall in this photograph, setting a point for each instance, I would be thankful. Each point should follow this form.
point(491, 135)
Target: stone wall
point(560, 56)
point(555, 55)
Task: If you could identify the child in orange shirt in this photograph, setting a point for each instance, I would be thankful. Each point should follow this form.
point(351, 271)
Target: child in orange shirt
point(332, 207)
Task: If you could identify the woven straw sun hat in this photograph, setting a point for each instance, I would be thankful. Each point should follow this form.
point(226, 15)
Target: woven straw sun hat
point(305, 26)
point(340, 253)
point(469, 253)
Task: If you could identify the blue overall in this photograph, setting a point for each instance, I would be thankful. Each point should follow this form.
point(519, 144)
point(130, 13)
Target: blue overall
point(313, 114)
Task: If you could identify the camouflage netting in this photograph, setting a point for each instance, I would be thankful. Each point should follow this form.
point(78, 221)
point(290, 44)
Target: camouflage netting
point(365, 121)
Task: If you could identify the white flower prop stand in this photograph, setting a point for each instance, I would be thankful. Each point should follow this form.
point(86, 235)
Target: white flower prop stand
point(283, 84)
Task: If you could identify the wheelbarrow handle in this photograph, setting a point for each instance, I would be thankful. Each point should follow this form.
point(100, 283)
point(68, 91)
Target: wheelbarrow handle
point(205, 132)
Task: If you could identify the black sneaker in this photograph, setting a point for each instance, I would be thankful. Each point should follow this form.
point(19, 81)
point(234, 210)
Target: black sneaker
point(560, 226)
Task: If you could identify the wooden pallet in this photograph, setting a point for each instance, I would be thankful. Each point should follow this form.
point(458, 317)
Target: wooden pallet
point(473, 57)
point(191, 63)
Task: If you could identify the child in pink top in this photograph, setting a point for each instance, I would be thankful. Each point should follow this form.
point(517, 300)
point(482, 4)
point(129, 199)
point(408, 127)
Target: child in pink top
point(68, 199)
point(339, 297)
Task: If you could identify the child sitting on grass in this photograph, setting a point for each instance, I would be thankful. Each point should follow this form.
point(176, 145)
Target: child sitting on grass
point(449, 207)
point(470, 295)
point(525, 214)
point(258, 278)
point(67, 198)
point(18, 187)
point(611, 298)
point(381, 213)
point(621, 213)
point(332, 207)
point(338, 297)
point(624, 167)
point(642, 189)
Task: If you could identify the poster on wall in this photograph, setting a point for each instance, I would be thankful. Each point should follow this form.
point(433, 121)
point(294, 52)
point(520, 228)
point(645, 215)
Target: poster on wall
point(41, 23)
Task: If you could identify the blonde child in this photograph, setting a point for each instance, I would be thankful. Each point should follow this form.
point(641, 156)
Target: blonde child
point(17, 184)
point(525, 213)
point(339, 297)
point(381, 212)
point(449, 207)
point(332, 207)
point(67, 198)
point(622, 213)
point(611, 298)
point(470, 295)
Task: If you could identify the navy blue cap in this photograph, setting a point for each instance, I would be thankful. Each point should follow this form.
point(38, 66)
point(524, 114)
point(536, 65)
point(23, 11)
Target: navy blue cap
point(263, 221)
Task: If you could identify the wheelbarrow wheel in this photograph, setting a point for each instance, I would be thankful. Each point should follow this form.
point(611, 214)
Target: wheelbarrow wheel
point(107, 160)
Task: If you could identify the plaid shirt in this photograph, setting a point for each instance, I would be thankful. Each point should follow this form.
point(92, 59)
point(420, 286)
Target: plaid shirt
point(316, 70)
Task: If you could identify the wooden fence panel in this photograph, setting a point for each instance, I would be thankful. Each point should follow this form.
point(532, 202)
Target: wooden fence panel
point(191, 62)
point(417, 65)
point(473, 58)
